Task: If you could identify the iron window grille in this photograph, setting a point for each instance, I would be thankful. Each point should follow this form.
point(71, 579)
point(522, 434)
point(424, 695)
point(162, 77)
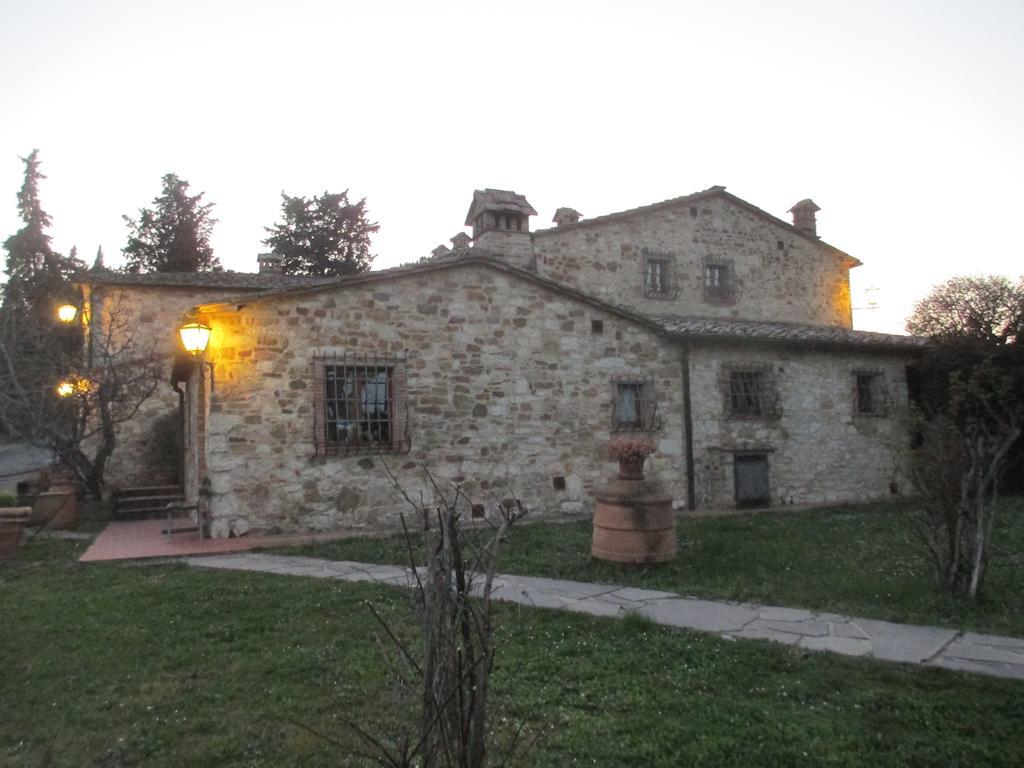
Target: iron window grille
point(634, 406)
point(720, 285)
point(360, 404)
point(659, 275)
point(870, 395)
point(750, 394)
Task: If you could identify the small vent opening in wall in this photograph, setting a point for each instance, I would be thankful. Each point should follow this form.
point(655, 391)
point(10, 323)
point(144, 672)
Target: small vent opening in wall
point(558, 482)
point(597, 326)
point(477, 511)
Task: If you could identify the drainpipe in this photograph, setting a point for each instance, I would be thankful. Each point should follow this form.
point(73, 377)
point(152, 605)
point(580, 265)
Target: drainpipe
point(181, 434)
point(691, 494)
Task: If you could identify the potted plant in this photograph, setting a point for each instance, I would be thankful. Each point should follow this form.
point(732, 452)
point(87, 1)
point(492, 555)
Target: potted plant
point(631, 453)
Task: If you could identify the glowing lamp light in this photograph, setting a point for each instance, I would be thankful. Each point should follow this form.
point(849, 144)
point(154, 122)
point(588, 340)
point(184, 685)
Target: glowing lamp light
point(66, 313)
point(194, 337)
point(74, 386)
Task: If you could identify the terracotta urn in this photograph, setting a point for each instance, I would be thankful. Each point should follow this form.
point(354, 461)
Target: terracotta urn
point(634, 523)
point(12, 529)
point(631, 469)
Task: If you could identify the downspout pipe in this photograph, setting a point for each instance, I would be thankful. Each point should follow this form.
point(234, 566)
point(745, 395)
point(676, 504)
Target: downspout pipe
point(691, 494)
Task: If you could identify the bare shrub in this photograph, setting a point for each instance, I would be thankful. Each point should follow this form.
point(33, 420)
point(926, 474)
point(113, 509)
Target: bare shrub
point(956, 464)
point(450, 673)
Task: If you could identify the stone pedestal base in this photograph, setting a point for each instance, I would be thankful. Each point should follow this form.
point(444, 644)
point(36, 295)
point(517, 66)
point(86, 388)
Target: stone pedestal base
point(633, 523)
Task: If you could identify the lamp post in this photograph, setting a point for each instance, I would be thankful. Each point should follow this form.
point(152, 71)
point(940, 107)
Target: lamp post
point(195, 336)
point(67, 313)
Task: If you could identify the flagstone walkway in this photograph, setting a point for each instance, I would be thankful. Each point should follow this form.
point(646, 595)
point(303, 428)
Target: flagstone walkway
point(907, 643)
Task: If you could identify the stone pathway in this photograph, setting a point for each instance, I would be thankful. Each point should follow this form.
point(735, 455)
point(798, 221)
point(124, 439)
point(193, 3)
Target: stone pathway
point(907, 643)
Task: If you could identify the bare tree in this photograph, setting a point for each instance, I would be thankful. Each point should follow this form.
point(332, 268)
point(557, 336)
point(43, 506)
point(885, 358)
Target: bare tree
point(453, 590)
point(70, 394)
point(956, 466)
point(987, 309)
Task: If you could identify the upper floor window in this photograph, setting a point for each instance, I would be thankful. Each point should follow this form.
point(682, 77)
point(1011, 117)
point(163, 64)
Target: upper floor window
point(719, 282)
point(659, 280)
point(870, 397)
point(750, 394)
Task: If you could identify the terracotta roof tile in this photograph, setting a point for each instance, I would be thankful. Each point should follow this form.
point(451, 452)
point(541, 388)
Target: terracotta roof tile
point(242, 281)
point(763, 330)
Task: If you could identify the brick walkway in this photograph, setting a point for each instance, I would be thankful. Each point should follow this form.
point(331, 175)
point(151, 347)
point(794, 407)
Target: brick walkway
point(906, 643)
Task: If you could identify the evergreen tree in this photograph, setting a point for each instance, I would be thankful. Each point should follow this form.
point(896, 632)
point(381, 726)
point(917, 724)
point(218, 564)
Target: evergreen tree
point(326, 236)
point(36, 274)
point(98, 265)
point(174, 235)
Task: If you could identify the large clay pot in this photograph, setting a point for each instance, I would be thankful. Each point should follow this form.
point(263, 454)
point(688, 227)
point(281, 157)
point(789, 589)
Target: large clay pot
point(57, 509)
point(631, 470)
point(12, 529)
point(633, 523)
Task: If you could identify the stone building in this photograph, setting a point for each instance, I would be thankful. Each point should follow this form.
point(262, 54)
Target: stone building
point(507, 362)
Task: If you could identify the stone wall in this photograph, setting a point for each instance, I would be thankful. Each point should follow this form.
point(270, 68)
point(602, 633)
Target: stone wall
point(507, 387)
point(819, 450)
point(799, 282)
point(146, 446)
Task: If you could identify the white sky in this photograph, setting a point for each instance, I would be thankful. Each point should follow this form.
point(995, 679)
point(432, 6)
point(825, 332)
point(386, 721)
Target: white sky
point(903, 120)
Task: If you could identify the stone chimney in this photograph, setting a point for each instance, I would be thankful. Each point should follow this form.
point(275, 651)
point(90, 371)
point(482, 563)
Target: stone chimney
point(803, 217)
point(565, 216)
point(270, 264)
point(501, 225)
point(461, 240)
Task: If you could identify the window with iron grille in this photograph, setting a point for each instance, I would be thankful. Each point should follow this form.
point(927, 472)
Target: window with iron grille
point(750, 394)
point(359, 406)
point(634, 405)
point(870, 396)
point(659, 274)
point(719, 283)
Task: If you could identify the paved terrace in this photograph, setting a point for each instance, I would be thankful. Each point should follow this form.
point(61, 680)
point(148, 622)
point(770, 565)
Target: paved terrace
point(832, 633)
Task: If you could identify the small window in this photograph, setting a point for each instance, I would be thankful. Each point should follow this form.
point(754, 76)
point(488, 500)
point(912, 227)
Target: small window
point(750, 395)
point(719, 285)
point(634, 406)
point(597, 326)
point(356, 404)
point(359, 404)
point(558, 483)
point(870, 397)
point(693, 211)
point(478, 511)
point(779, 245)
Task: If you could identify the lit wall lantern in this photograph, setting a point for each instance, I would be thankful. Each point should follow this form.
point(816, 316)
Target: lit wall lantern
point(194, 337)
point(74, 385)
point(66, 313)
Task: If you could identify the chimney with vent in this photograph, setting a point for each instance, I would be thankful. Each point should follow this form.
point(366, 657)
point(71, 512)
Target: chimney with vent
point(803, 217)
point(500, 219)
point(461, 240)
point(565, 216)
point(270, 264)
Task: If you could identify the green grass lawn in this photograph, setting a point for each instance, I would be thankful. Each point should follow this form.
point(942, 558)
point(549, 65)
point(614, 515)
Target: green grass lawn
point(863, 561)
point(163, 665)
